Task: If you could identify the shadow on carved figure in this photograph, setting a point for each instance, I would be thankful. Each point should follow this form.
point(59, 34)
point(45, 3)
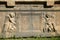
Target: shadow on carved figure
point(49, 23)
point(9, 26)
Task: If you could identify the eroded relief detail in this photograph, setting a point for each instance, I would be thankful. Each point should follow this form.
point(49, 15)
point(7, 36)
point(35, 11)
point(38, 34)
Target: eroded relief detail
point(30, 19)
point(9, 26)
point(49, 23)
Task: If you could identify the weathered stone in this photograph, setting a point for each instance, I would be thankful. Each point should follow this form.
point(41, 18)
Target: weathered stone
point(12, 2)
point(26, 20)
point(50, 2)
point(9, 26)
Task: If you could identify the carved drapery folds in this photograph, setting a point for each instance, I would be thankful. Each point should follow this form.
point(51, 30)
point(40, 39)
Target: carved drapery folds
point(49, 23)
point(9, 26)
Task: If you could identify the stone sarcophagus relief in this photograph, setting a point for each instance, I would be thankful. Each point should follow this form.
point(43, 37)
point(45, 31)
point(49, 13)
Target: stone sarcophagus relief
point(32, 19)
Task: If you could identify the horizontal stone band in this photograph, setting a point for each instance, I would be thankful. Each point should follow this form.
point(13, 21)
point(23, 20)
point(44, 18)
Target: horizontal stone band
point(12, 2)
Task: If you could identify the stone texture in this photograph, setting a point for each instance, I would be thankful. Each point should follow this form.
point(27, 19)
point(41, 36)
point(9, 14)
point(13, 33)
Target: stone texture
point(50, 2)
point(9, 25)
point(25, 20)
point(12, 2)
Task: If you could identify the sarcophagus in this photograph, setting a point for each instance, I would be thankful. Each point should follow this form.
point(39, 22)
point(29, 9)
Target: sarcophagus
point(39, 18)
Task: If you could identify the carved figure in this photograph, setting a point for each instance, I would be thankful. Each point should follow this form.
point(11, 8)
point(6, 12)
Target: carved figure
point(9, 26)
point(50, 25)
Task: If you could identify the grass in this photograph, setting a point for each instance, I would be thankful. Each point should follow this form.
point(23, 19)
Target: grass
point(34, 38)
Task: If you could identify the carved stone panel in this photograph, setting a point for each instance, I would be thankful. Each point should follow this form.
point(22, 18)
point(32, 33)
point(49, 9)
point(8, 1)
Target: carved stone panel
point(29, 20)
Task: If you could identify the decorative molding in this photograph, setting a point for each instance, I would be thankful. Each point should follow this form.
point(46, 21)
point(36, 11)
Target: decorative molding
point(13, 2)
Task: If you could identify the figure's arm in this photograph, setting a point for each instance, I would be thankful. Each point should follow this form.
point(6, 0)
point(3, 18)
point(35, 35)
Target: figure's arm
point(12, 20)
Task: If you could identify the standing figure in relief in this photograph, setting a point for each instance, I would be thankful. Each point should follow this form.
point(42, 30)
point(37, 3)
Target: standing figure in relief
point(9, 26)
point(50, 25)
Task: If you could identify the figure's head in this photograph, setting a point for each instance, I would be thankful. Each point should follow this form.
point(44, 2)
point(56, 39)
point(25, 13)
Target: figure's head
point(12, 14)
point(49, 16)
